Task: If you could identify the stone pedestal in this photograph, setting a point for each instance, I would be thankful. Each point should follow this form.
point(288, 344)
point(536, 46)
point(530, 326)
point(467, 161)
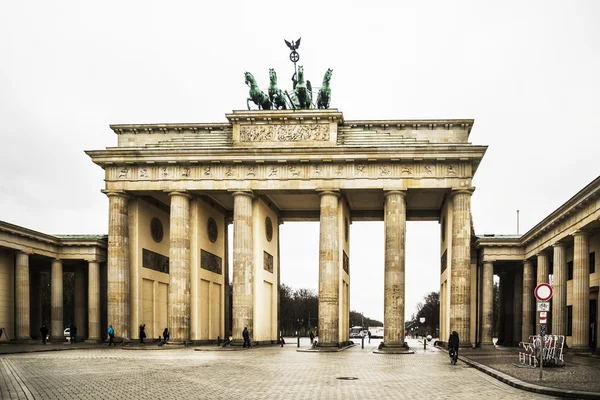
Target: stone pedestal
point(118, 264)
point(94, 334)
point(179, 267)
point(487, 304)
point(581, 292)
point(329, 274)
point(460, 280)
point(395, 243)
point(22, 309)
point(559, 291)
point(528, 310)
point(243, 265)
point(56, 301)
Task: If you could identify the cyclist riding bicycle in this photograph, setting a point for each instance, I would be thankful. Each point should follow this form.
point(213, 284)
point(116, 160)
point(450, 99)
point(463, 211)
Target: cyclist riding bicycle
point(453, 342)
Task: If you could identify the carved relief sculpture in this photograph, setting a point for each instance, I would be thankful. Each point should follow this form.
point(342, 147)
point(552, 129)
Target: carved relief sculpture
point(284, 133)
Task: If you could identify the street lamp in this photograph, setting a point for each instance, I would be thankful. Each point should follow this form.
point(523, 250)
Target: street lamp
point(422, 320)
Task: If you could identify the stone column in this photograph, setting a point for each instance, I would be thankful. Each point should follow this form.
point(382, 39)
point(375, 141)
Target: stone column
point(487, 303)
point(460, 280)
point(503, 281)
point(94, 301)
point(581, 292)
point(227, 327)
point(559, 291)
point(179, 267)
point(243, 265)
point(80, 302)
point(543, 271)
point(528, 310)
point(517, 307)
point(56, 301)
point(395, 244)
point(22, 308)
point(118, 264)
point(36, 303)
point(329, 273)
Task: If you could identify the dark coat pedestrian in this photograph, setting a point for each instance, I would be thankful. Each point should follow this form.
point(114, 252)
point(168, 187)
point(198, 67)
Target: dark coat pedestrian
point(166, 335)
point(73, 332)
point(142, 333)
point(44, 332)
point(246, 336)
point(311, 335)
point(453, 343)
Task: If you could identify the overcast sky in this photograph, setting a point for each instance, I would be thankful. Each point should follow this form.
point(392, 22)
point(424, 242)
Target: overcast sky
point(527, 72)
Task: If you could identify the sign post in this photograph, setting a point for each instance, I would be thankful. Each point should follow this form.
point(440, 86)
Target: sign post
point(543, 293)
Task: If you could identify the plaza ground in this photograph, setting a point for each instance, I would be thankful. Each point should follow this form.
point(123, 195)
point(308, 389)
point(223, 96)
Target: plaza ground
point(97, 371)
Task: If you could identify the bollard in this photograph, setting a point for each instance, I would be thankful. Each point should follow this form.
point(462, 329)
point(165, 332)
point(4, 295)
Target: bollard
point(298, 340)
point(362, 342)
point(424, 343)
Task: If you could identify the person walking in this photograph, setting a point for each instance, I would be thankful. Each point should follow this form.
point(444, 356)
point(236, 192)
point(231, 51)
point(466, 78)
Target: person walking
point(453, 343)
point(111, 335)
point(44, 332)
point(166, 335)
point(73, 332)
point(142, 333)
point(311, 335)
point(246, 336)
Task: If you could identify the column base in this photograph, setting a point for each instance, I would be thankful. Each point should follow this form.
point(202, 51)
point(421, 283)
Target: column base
point(93, 340)
point(393, 349)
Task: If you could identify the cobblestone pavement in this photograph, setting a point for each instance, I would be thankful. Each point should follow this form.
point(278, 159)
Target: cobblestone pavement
point(258, 373)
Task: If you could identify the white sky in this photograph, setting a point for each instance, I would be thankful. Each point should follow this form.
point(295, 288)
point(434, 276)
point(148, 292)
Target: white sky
point(527, 72)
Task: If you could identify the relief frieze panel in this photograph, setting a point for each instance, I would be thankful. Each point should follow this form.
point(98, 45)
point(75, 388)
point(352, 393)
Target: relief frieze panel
point(284, 133)
point(290, 171)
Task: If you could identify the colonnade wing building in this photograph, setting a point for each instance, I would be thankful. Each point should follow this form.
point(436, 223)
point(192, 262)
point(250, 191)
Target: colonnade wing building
point(173, 190)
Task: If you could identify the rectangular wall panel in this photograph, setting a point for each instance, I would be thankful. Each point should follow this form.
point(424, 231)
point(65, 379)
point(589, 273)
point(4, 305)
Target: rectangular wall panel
point(215, 311)
point(204, 309)
point(161, 308)
point(148, 308)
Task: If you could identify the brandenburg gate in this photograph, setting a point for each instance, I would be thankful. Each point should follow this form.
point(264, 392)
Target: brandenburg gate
point(174, 188)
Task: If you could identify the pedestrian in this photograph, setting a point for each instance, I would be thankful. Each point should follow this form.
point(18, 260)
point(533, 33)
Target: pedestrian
point(73, 332)
point(142, 333)
point(369, 334)
point(453, 343)
point(111, 335)
point(311, 335)
point(166, 335)
point(44, 332)
point(246, 337)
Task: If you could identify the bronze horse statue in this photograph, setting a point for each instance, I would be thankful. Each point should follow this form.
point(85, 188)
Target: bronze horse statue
point(303, 91)
point(256, 95)
point(324, 96)
point(275, 94)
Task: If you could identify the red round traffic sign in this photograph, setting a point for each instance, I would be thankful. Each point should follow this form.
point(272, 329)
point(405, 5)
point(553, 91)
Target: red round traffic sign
point(543, 292)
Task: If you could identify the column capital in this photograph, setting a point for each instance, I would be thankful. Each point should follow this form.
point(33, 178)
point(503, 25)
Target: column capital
point(580, 232)
point(541, 253)
point(468, 191)
point(116, 193)
point(387, 193)
point(527, 262)
point(25, 252)
point(559, 244)
point(333, 192)
point(182, 193)
point(248, 193)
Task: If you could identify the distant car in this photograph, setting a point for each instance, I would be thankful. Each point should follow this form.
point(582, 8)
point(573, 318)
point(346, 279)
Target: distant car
point(67, 332)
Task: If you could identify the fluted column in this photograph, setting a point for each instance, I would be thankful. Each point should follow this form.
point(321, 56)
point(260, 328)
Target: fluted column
point(581, 292)
point(94, 333)
point(56, 301)
point(118, 264)
point(487, 303)
point(559, 291)
point(179, 267)
point(329, 274)
point(394, 288)
point(543, 271)
point(528, 310)
point(22, 296)
point(80, 302)
point(243, 265)
point(517, 306)
point(460, 281)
